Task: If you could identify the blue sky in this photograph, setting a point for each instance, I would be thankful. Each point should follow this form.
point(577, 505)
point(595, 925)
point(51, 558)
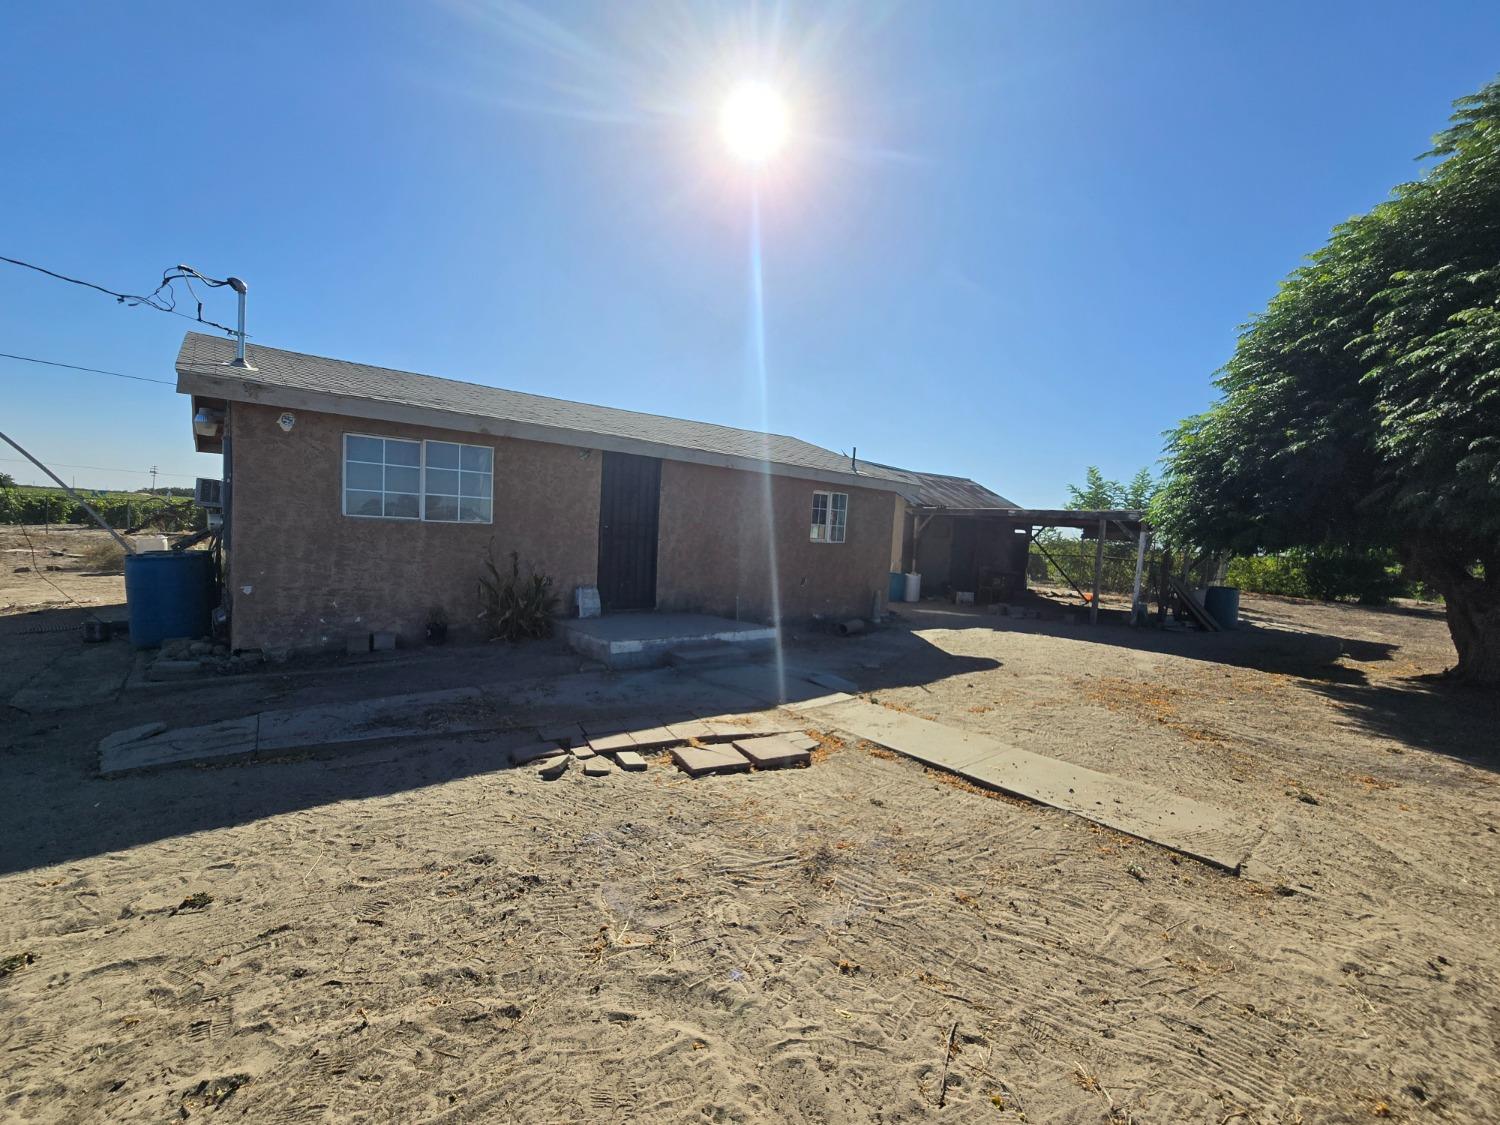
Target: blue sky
point(1006, 241)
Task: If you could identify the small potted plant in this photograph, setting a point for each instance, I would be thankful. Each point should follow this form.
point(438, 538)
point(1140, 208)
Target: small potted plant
point(437, 625)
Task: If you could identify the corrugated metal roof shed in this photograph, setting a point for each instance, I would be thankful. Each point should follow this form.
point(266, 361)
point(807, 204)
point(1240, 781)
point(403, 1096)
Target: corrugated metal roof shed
point(936, 490)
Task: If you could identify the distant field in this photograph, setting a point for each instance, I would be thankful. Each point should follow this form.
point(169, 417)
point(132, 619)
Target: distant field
point(31, 504)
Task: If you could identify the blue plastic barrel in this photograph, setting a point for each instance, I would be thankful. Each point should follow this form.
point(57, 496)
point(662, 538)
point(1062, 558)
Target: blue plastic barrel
point(168, 594)
point(898, 587)
point(1223, 605)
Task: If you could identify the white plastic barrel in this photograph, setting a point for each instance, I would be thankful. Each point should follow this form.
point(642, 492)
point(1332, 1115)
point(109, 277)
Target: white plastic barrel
point(913, 587)
point(143, 543)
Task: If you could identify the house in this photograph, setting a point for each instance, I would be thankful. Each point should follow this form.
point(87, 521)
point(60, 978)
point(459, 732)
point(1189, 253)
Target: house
point(360, 499)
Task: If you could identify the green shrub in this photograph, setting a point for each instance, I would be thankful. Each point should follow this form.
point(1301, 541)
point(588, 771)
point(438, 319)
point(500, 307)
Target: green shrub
point(1371, 577)
point(515, 607)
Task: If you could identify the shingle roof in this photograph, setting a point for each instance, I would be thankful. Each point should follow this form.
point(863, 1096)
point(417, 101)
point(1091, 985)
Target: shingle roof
point(205, 357)
point(935, 490)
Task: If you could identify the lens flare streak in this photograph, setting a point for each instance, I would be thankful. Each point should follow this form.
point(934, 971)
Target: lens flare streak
point(758, 373)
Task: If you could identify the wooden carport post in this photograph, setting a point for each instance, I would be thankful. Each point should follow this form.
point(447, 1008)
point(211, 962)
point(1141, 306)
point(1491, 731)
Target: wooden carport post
point(1140, 566)
point(1098, 571)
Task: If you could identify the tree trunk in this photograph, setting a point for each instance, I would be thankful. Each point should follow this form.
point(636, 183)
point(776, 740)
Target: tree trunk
point(1473, 606)
point(1474, 622)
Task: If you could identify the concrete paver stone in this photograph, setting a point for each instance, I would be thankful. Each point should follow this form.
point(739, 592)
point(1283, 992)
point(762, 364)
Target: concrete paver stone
point(564, 734)
point(553, 768)
point(696, 761)
point(610, 743)
point(772, 751)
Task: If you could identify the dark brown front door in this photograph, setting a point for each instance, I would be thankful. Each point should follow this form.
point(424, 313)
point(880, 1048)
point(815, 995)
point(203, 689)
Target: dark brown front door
point(629, 498)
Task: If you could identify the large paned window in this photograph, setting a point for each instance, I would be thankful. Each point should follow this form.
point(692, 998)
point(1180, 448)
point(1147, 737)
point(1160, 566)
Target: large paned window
point(438, 481)
point(830, 515)
point(459, 484)
point(382, 477)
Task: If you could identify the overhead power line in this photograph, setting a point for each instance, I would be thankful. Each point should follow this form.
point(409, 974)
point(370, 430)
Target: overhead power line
point(104, 469)
point(91, 370)
point(162, 298)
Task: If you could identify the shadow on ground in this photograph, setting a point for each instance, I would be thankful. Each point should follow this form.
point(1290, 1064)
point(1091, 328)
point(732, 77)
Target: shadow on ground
point(1446, 717)
point(64, 812)
point(1259, 643)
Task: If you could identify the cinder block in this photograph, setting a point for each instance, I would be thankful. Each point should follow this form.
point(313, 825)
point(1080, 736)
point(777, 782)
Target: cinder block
point(383, 642)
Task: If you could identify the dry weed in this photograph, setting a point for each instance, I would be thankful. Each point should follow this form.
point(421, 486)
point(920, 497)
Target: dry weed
point(104, 557)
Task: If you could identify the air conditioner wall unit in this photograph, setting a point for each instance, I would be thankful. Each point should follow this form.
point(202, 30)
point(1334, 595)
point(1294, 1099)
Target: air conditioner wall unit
point(208, 493)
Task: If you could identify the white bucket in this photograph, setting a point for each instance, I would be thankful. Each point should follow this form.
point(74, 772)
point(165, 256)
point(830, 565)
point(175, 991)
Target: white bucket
point(913, 587)
point(143, 543)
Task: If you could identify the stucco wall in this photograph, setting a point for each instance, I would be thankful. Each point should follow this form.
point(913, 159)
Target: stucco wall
point(304, 576)
point(713, 551)
point(316, 576)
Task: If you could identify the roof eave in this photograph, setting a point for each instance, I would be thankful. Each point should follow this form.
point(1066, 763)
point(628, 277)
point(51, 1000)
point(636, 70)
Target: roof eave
point(231, 387)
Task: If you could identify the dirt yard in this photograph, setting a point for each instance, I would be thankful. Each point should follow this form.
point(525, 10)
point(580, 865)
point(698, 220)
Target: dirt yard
point(50, 567)
point(413, 934)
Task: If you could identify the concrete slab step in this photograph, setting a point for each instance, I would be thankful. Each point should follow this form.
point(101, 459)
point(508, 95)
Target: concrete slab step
point(598, 767)
point(630, 760)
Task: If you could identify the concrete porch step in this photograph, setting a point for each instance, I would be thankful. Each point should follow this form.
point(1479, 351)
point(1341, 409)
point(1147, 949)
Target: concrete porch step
point(643, 640)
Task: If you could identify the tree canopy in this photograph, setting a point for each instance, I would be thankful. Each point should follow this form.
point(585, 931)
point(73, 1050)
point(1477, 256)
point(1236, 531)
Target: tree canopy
point(1099, 493)
point(1362, 407)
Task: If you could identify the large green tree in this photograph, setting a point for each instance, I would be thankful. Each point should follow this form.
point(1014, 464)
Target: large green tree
point(1362, 407)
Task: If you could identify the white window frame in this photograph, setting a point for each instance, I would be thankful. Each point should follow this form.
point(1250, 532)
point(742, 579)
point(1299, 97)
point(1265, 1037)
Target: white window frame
point(344, 481)
point(421, 467)
point(460, 498)
point(827, 524)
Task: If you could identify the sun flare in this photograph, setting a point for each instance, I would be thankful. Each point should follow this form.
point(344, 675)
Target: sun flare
point(754, 122)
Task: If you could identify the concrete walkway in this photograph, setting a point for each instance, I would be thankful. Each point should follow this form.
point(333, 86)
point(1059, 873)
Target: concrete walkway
point(1191, 827)
point(334, 726)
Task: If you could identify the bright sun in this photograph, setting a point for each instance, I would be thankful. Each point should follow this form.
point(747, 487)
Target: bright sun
point(754, 122)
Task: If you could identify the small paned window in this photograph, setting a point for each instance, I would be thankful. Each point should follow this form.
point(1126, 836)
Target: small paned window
point(382, 477)
point(459, 483)
point(830, 516)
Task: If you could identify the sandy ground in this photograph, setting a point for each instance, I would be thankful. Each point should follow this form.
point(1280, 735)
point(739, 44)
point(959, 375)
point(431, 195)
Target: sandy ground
point(413, 934)
point(42, 567)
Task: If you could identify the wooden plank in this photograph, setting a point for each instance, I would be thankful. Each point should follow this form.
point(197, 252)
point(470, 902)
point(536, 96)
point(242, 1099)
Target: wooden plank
point(1194, 606)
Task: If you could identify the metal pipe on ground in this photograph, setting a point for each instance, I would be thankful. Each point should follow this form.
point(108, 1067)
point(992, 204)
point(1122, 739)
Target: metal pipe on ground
point(850, 627)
